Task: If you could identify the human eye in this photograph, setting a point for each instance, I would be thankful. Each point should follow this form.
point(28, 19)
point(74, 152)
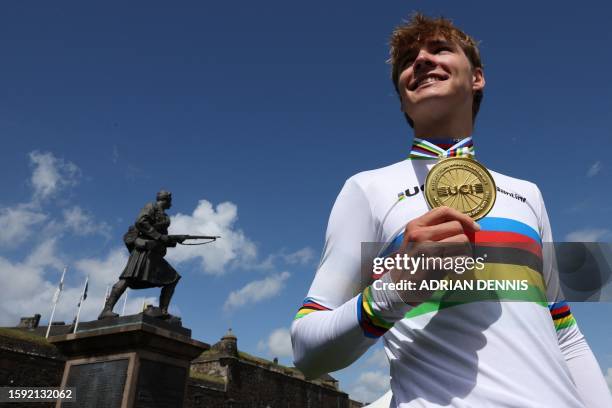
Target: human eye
point(407, 61)
point(444, 48)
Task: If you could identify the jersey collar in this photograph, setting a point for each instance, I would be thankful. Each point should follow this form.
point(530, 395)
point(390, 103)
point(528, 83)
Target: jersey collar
point(430, 149)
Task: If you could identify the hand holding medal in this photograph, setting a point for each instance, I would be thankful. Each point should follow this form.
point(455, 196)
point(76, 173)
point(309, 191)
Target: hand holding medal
point(460, 191)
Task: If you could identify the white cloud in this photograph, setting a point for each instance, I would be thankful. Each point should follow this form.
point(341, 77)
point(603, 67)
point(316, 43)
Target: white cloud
point(232, 249)
point(82, 223)
point(608, 377)
point(16, 223)
point(32, 280)
point(51, 174)
point(103, 271)
point(300, 257)
point(278, 344)
point(256, 291)
point(45, 254)
point(594, 169)
point(370, 386)
point(29, 285)
point(25, 291)
point(378, 359)
point(588, 235)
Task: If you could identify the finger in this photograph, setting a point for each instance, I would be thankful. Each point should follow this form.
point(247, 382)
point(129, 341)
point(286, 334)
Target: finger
point(443, 214)
point(438, 232)
point(456, 239)
point(457, 245)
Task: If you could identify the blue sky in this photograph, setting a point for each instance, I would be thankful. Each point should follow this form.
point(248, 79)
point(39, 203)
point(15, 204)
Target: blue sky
point(268, 108)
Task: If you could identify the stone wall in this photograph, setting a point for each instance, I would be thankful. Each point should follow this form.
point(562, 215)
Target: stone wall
point(201, 393)
point(28, 360)
point(250, 385)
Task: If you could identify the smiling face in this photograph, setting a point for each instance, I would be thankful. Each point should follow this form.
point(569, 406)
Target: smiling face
point(432, 62)
point(436, 79)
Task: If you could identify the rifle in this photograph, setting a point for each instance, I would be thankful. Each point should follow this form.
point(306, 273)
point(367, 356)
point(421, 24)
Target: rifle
point(180, 238)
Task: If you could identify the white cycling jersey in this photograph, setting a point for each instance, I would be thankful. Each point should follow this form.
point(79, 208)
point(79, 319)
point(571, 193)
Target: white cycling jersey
point(480, 353)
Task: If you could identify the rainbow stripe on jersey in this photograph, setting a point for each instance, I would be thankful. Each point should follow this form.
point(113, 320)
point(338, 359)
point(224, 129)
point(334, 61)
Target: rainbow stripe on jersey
point(561, 315)
point(372, 325)
point(514, 251)
point(309, 306)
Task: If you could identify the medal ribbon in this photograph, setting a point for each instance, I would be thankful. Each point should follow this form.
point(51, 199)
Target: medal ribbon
point(426, 150)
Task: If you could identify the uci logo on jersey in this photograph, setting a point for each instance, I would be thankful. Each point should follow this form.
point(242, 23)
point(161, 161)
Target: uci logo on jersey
point(463, 189)
point(410, 192)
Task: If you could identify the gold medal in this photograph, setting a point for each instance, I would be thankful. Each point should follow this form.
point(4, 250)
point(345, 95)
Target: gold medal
point(463, 184)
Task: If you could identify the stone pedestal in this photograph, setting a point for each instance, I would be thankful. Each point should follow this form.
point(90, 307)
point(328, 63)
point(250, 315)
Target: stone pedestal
point(128, 362)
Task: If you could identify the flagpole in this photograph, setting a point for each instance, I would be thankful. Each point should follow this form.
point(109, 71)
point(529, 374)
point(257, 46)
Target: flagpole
point(108, 286)
point(83, 297)
point(125, 301)
point(56, 296)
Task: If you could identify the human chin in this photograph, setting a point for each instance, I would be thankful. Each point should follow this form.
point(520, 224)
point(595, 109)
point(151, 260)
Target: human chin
point(427, 102)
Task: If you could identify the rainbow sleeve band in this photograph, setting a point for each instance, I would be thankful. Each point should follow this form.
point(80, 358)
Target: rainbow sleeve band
point(373, 325)
point(309, 306)
point(561, 315)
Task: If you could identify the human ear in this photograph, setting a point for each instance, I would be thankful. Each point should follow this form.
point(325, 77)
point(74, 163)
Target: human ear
point(478, 80)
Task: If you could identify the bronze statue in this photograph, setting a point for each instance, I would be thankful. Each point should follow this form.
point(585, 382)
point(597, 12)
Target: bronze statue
point(147, 241)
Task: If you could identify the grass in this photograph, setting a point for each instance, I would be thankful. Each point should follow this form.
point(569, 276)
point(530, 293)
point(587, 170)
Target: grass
point(24, 336)
point(258, 361)
point(206, 377)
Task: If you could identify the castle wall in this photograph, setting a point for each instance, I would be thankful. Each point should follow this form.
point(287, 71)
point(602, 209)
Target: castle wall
point(253, 384)
point(31, 364)
point(27, 360)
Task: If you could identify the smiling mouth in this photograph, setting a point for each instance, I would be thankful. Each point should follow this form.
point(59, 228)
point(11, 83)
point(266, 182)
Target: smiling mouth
point(427, 80)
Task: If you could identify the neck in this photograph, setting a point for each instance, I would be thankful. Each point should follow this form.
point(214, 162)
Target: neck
point(438, 125)
point(442, 130)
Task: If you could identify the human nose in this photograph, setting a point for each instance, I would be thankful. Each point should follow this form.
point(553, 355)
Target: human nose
point(423, 60)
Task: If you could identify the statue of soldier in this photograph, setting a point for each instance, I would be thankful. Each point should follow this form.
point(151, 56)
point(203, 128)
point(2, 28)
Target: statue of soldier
point(147, 241)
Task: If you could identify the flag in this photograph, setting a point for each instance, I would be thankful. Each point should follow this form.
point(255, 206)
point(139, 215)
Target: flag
point(56, 297)
point(83, 297)
point(60, 287)
point(86, 287)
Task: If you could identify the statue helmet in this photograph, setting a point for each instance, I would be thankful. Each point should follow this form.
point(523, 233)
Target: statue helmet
point(164, 195)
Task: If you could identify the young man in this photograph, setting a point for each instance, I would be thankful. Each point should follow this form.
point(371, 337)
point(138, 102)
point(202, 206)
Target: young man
point(464, 354)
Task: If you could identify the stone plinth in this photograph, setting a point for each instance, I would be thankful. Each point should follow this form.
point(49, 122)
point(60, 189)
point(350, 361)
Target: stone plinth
point(127, 362)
